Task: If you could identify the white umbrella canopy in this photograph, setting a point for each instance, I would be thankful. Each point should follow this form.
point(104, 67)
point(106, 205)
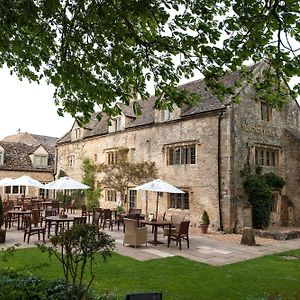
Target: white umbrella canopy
point(65, 183)
point(158, 186)
point(26, 181)
point(6, 181)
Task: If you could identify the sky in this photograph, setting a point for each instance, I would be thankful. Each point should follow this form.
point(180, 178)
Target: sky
point(30, 108)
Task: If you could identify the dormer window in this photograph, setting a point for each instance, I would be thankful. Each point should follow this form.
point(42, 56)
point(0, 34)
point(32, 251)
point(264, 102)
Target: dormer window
point(77, 133)
point(40, 160)
point(165, 115)
point(116, 124)
point(265, 112)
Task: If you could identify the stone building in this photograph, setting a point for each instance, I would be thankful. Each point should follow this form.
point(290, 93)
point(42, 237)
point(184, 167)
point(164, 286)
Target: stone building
point(200, 149)
point(27, 154)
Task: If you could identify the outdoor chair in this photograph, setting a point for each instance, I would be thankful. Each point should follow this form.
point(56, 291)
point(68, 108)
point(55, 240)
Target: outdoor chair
point(133, 234)
point(30, 230)
point(180, 233)
point(96, 218)
point(175, 222)
point(134, 210)
point(37, 218)
point(83, 211)
point(79, 220)
point(144, 296)
point(108, 219)
point(71, 206)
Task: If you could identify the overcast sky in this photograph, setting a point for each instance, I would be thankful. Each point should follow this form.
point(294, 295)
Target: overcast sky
point(30, 108)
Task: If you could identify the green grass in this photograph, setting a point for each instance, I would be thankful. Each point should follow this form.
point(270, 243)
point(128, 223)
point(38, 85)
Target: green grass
point(179, 278)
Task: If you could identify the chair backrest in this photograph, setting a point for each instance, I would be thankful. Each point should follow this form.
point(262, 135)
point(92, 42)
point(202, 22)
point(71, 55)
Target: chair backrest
point(106, 213)
point(27, 222)
point(36, 217)
point(96, 217)
point(83, 210)
point(79, 220)
point(130, 225)
point(50, 212)
point(184, 227)
point(133, 216)
point(134, 210)
point(177, 219)
point(144, 296)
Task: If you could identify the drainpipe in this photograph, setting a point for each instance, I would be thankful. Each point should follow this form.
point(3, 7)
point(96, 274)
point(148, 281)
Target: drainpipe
point(219, 172)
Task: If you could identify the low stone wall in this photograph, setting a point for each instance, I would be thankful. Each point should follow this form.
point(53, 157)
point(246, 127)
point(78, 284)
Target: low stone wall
point(277, 235)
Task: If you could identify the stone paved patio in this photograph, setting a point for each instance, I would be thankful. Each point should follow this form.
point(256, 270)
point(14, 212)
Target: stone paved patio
point(203, 248)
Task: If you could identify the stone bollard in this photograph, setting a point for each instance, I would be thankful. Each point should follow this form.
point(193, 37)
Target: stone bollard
point(248, 237)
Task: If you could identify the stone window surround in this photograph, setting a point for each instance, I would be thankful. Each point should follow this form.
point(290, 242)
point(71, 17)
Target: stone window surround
point(110, 195)
point(70, 160)
point(188, 160)
point(132, 197)
point(40, 160)
point(182, 199)
point(265, 112)
point(271, 155)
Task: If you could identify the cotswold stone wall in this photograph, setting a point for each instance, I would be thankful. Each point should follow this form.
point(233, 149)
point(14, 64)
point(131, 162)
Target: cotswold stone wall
point(200, 180)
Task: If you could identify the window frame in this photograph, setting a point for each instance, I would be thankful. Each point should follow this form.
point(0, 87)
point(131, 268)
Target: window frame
point(266, 156)
point(179, 201)
point(1, 157)
point(184, 154)
point(110, 195)
point(266, 113)
point(40, 160)
point(132, 198)
point(70, 160)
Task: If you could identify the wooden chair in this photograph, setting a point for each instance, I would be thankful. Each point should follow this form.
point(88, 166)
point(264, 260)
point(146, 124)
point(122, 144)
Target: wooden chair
point(96, 218)
point(30, 230)
point(180, 233)
point(133, 234)
point(108, 219)
point(79, 220)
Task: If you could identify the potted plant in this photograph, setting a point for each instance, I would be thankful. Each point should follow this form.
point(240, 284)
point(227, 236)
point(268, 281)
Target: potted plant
point(205, 222)
point(2, 231)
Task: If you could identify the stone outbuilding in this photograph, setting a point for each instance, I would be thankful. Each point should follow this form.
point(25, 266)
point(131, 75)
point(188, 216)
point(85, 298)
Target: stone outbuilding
point(27, 154)
point(201, 149)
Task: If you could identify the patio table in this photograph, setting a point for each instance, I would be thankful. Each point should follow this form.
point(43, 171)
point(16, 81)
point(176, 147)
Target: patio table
point(57, 220)
point(156, 224)
point(17, 213)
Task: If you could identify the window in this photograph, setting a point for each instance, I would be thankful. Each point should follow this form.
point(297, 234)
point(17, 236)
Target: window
point(77, 133)
point(1, 158)
point(132, 198)
point(111, 157)
point(180, 201)
point(15, 189)
point(265, 112)
point(44, 193)
point(115, 124)
point(70, 161)
point(265, 156)
point(7, 189)
point(40, 160)
point(111, 195)
point(181, 155)
point(165, 115)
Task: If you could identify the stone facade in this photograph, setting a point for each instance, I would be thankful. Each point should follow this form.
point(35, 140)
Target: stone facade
point(224, 136)
point(27, 154)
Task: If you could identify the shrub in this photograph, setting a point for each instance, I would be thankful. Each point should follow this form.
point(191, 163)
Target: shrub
point(205, 218)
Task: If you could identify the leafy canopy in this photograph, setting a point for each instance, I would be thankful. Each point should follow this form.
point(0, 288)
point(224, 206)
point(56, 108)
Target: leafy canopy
point(97, 51)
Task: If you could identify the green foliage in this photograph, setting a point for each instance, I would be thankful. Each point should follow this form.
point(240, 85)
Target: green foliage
point(1, 213)
point(274, 181)
point(122, 172)
point(96, 52)
point(62, 173)
point(15, 286)
point(259, 187)
point(76, 250)
point(205, 218)
point(94, 192)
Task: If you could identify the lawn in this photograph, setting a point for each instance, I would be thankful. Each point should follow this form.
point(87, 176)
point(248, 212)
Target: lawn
point(179, 278)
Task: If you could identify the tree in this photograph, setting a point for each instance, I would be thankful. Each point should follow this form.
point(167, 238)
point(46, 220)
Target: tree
point(97, 52)
point(94, 192)
point(119, 175)
point(76, 249)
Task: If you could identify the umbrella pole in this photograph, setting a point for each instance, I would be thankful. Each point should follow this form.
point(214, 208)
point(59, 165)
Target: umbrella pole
point(157, 205)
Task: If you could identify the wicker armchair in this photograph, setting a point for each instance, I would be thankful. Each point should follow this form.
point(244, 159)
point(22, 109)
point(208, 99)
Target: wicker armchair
point(134, 235)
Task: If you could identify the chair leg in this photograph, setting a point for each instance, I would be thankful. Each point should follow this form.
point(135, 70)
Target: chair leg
point(28, 238)
point(44, 236)
point(24, 236)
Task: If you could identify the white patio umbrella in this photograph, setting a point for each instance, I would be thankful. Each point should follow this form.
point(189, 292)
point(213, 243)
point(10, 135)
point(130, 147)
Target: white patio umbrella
point(158, 186)
point(6, 182)
point(27, 181)
point(65, 183)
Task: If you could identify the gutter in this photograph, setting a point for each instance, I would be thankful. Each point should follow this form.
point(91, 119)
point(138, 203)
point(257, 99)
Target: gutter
point(221, 228)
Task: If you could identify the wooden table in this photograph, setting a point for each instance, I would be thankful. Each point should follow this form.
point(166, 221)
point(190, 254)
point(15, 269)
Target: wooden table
point(17, 213)
point(57, 220)
point(155, 225)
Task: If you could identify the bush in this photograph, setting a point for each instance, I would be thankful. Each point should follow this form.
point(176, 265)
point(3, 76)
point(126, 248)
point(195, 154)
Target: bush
point(16, 286)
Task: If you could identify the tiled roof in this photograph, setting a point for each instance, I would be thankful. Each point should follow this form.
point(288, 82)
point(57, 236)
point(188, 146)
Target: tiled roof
point(16, 157)
point(209, 103)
